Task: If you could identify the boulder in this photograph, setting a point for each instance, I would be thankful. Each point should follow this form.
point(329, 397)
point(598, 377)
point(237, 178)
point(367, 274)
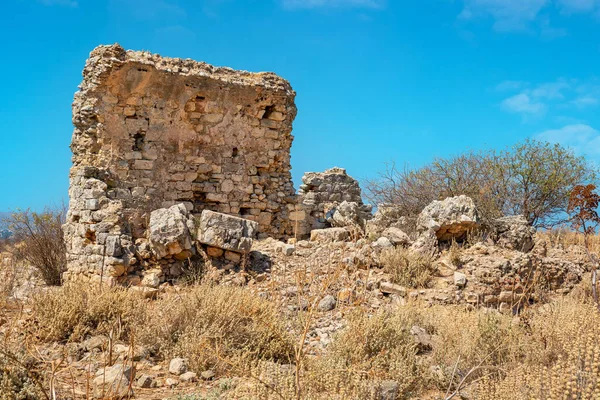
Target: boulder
point(113, 382)
point(226, 232)
point(170, 230)
point(388, 216)
point(178, 366)
point(426, 244)
point(513, 233)
point(396, 236)
point(349, 214)
point(450, 218)
point(329, 235)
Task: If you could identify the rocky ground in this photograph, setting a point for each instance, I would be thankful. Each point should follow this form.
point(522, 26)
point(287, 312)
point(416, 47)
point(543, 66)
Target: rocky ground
point(315, 285)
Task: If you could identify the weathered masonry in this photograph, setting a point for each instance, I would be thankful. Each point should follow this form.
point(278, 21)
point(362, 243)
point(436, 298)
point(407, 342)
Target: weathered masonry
point(151, 132)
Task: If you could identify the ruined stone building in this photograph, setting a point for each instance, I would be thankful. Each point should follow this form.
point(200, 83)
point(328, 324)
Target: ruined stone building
point(152, 132)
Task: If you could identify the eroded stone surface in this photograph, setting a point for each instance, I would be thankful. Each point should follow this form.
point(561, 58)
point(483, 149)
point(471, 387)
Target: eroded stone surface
point(226, 232)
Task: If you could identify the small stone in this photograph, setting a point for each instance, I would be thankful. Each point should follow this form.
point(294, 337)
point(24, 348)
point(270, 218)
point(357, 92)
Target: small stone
point(178, 366)
point(388, 390)
point(145, 381)
point(382, 243)
point(170, 382)
point(208, 375)
point(214, 252)
point(188, 377)
point(327, 303)
point(392, 288)
point(232, 256)
point(288, 249)
point(460, 279)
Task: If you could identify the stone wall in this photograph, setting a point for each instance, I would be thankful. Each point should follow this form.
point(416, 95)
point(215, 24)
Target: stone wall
point(151, 132)
point(320, 194)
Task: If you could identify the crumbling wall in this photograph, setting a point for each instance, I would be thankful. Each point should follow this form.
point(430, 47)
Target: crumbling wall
point(320, 194)
point(151, 132)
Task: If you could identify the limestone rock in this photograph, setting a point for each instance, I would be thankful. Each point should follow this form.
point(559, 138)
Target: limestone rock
point(178, 366)
point(349, 214)
point(387, 390)
point(422, 338)
point(392, 288)
point(327, 303)
point(188, 377)
point(460, 279)
point(396, 236)
point(226, 232)
point(426, 244)
point(170, 230)
point(329, 235)
point(382, 243)
point(113, 382)
point(513, 233)
point(322, 194)
point(450, 218)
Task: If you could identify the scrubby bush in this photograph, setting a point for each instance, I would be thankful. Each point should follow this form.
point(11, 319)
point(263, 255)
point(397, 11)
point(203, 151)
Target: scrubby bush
point(408, 268)
point(531, 178)
point(39, 241)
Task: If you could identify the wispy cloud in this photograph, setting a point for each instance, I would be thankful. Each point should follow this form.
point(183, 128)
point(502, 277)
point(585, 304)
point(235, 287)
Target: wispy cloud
point(507, 86)
point(585, 101)
point(551, 90)
point(297, 4)
point(508, 15)
point(523, 104)
point(581, 137)
point(66, 3)
point(530, 16)
point(577, 6)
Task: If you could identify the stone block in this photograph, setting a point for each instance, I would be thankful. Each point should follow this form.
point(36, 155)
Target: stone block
point(226, 232)
point(329, 235)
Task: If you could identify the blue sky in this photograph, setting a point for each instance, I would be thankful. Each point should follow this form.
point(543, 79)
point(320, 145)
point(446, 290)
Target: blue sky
point(377, 80)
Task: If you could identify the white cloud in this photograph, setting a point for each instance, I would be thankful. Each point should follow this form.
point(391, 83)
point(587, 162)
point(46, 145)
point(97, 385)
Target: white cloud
point(523, 104)
point(295, 4)
point(585, 101)
point(551, 90)
point(581, 137)
point(509, 15)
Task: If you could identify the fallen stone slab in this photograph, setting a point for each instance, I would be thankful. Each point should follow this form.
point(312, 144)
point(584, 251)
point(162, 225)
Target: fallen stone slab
point(226, 231)
point(329, 235)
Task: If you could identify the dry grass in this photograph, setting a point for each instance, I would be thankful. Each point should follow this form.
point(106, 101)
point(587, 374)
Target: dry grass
point(561, 357)
point(564, 238)
point(215, 327)
point(408, 268)
point(75, 311)
point(544, 353)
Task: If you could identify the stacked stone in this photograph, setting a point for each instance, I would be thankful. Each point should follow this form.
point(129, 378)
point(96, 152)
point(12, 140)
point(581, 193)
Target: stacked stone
point(151, 132)
point(321, 193)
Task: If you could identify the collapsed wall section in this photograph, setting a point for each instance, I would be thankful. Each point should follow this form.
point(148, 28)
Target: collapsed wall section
point(151, 132)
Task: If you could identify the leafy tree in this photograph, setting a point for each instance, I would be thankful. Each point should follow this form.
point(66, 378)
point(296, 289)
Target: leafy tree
point(532, 178)
point(583, 209)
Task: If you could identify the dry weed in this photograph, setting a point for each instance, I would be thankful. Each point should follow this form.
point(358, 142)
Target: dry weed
point(215, 327)
point(408, 268)
point(74, 311)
